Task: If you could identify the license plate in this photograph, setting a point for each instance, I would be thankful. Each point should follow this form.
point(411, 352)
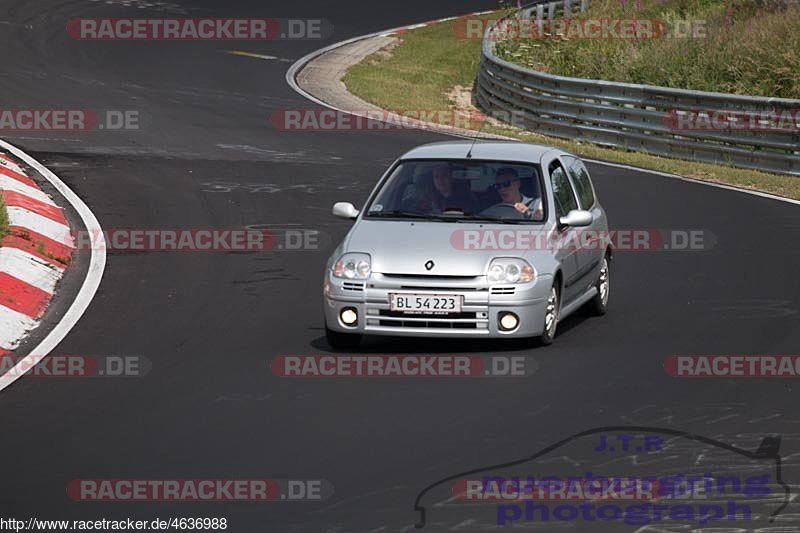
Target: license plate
point(426, 303)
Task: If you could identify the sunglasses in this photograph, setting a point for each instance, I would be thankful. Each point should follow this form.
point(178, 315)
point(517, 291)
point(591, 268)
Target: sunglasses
point(503, 184)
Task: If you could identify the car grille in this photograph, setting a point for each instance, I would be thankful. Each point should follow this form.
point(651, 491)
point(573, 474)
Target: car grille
point(429, 324)
point(474, 316)
point(352, 286)
point(385, 318)
point(400, 314)
point(434, 288)
point(429, 277)
point(425, 282)
point(503, 290)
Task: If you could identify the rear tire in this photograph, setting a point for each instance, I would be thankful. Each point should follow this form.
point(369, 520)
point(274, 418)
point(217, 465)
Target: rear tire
point(599, 304)
point(339, 340)
point(551, 316)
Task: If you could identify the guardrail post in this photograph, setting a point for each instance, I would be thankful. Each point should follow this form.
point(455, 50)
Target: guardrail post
point(540, 20)
point(584, 5)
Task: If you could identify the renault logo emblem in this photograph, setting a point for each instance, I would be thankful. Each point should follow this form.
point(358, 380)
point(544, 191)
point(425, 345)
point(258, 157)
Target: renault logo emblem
point(429, 265)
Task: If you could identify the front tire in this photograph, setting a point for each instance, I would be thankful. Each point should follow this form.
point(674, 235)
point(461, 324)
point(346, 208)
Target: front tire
point(551, 315)
point(599, 304)
point(342, 341)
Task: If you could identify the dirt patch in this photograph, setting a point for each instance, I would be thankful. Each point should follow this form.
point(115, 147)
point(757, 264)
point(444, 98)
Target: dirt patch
point(384, 53)
point(461, 98)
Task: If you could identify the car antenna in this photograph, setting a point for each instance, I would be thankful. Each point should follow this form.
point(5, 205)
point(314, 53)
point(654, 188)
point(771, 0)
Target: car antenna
point(469, 152)
point(475, 138)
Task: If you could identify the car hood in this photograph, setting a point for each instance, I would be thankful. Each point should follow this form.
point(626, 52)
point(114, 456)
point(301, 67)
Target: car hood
point(400, 247)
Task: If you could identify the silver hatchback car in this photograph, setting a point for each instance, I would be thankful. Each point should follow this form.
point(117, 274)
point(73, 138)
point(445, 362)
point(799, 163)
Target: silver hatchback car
point(470, 240)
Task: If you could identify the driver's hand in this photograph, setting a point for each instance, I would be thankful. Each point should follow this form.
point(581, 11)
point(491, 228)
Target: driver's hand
point(522, 208)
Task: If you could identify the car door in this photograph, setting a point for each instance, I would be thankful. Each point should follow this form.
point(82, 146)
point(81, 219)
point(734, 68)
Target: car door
point(591, 247)
point(564, 201)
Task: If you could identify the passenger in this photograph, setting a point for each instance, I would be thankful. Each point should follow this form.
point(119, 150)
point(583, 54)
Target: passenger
point(446, 195)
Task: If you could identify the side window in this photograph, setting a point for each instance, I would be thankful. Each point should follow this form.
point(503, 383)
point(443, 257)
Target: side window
point(580, 177)
point(562, 190)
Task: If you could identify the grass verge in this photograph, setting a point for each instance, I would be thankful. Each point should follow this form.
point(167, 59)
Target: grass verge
point(430, 66)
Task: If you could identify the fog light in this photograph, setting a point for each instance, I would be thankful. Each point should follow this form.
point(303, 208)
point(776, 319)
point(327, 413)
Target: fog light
point(508, 321)
point(348, 316)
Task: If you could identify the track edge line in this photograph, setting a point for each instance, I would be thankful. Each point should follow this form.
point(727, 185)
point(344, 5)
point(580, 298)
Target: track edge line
point(91, 283)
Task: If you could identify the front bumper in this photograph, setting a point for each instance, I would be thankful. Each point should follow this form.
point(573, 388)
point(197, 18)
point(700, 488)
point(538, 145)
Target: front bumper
point(482, 306)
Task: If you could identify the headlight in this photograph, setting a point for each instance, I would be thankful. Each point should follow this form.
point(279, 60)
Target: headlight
point(510, 270)
point(352, 266)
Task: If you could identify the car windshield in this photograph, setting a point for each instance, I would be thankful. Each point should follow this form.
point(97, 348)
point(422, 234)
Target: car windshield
point(461, 191)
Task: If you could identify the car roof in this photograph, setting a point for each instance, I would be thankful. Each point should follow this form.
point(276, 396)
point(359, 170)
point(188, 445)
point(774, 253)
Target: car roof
point(481, 150)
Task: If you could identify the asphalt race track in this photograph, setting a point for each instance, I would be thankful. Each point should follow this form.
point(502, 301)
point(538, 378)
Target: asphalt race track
point(211, 322)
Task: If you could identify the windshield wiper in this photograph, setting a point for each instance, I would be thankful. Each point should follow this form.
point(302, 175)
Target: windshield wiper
point(454, 216)
point(468, 217)
point(401, 213)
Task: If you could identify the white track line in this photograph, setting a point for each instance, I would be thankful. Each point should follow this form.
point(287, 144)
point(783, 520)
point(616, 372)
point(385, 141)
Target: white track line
point(97, 264)
point(700, 182)
point(298, 65)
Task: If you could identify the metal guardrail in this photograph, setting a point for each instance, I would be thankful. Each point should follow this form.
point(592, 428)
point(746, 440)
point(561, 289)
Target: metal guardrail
point(641, 118)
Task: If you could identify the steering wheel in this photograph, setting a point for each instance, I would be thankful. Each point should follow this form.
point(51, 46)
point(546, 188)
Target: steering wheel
point(503, 210)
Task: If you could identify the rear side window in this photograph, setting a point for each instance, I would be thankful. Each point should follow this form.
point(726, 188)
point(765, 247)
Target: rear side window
point(580, 177)
point(562, 190)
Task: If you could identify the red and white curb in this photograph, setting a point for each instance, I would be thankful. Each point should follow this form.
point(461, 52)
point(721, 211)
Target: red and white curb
point(33, 256)
point(403, 29)
point(31, 205)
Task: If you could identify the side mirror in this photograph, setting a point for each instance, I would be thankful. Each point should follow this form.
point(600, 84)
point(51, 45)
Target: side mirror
point(576, 218)
point(345, 210)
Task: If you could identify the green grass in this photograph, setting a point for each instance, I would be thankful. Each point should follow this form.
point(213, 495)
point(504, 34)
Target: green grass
point(3, 219)
point(431, 61)
point(750, 47)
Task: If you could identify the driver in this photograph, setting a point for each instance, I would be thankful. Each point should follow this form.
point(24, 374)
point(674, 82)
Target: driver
point(507, 186)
